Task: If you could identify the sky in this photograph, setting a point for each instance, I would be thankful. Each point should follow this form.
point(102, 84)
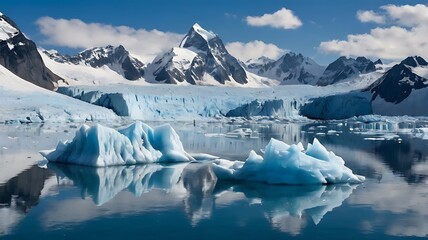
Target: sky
point(320, 29)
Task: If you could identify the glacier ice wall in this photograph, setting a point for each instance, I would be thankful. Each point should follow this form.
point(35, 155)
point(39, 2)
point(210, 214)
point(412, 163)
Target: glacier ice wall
point(340, 106)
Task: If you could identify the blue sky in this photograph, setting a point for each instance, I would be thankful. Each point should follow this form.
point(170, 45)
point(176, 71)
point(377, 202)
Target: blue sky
point(322, 20)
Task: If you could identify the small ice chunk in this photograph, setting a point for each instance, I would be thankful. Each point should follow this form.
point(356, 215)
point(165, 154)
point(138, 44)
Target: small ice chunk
point(203, 156)
point(240, 132)
point(285, 164)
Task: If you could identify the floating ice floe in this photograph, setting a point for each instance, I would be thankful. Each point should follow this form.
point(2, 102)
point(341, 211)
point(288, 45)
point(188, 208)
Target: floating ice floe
point(285, 164)
point(103, 146)
point(240, 132)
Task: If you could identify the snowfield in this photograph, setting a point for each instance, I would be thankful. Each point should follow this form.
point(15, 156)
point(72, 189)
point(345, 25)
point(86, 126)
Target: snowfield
point(24, 102)
point(82, 74)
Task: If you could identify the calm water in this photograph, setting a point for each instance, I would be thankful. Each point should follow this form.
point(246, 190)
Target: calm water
point(185, 201)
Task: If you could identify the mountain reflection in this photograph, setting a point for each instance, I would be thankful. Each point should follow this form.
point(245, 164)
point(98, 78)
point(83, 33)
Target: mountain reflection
point(19, 194)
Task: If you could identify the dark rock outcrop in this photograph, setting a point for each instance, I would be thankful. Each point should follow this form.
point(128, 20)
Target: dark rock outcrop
point(20, 56)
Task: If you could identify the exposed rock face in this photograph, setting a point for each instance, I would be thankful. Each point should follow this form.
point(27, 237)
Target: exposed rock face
point(397, 83)
point(344, 68)
point(20, 56)
point(201, 58)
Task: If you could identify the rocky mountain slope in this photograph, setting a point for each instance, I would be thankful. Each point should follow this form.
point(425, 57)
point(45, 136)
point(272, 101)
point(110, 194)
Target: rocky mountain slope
point(20, 56)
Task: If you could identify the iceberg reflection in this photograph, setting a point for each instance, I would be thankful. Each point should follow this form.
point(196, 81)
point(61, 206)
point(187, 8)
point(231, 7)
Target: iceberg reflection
point(184, 183)
point(103, 184)
point(195, 188)
point(284, 206)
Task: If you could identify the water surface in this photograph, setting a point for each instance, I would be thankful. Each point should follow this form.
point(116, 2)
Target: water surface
point(185, 201)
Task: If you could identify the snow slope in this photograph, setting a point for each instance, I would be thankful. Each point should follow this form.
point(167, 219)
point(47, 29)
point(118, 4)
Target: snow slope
point(7, 31)
point(82, 74)
point(21, 101)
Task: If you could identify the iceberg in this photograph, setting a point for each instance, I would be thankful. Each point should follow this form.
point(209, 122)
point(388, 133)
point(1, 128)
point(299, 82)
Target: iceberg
point(101, 146)
point(285, 164)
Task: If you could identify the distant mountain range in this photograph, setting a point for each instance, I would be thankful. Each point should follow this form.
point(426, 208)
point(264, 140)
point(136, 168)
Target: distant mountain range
point(202, 59)
point(291, 68)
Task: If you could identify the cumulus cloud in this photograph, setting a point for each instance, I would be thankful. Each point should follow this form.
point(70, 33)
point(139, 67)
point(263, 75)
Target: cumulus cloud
point(405, 37)
point(74, 33)
point(254, 50)
point(408, 15)
point(283, 18)
point(370, 16)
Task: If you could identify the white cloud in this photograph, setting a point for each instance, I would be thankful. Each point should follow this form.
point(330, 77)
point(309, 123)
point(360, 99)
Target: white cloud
point(283, 18)
point(75, 33)
point(254, 50)
point(408, 15)
point(370, 16)
point(405, 38)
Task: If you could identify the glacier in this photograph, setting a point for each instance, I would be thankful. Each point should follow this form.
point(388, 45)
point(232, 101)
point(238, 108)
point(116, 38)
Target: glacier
point(166, 102)
point(103, 146)
point(285, 164)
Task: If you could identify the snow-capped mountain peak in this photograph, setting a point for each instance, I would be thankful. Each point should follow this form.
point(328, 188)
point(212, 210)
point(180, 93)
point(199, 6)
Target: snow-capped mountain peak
point(414, 61)
point(344, 68)
point(201, 58)
point(198, 38)
point(291, 68)
point(207, 35)
point(397, 83)
point(117, 59)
